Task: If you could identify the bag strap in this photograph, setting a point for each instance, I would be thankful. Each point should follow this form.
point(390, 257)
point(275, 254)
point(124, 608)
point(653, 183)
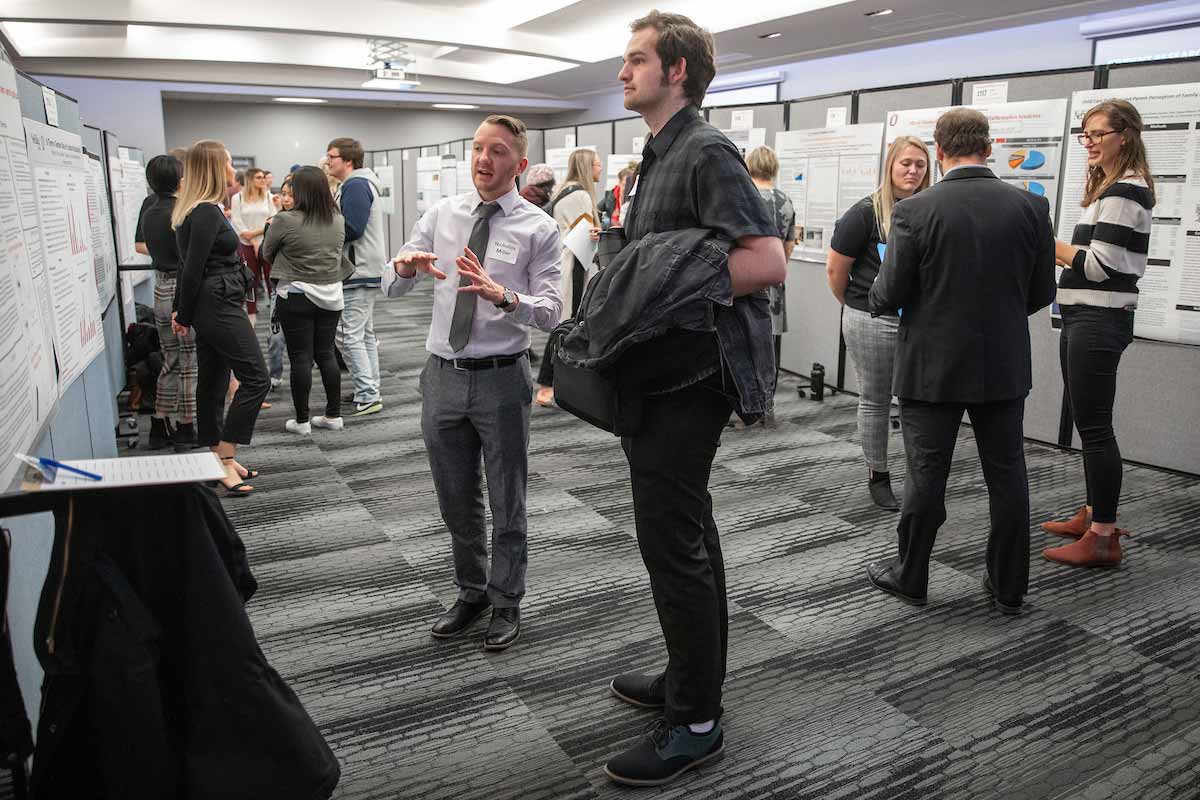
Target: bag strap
point(569, 190)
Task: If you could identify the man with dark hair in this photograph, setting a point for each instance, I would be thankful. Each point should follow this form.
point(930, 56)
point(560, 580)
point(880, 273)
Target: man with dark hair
point(967, 261)
point(502, 256)
point(366, 249)
point(690, 177)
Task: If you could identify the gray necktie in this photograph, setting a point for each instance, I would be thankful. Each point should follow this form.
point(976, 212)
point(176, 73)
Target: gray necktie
point(464, 306)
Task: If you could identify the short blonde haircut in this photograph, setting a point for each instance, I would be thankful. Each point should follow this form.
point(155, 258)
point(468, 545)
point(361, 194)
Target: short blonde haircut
point(514, 126)
point(204, 171)
point(763, 164)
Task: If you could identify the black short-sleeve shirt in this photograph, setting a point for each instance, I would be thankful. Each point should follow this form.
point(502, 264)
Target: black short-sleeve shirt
point(155, 231)
point(690, 176)
point(856, 235)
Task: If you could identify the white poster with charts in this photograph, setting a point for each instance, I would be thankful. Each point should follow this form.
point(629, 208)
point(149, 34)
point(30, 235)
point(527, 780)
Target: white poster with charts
point(104, 252)
point(1027, 141)
point(28, 385)
point(825, 171)
point(60, 181)
point(1169, 292)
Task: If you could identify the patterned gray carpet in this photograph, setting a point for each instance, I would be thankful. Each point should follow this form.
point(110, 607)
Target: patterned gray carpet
point(834, 690)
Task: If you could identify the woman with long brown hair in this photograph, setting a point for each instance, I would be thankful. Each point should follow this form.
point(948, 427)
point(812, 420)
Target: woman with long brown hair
point(251, 209)
point(211, 290)
point(855, 255)
point(1097, 295)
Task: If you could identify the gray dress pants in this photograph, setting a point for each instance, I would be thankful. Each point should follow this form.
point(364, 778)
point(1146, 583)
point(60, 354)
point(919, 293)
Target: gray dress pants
point(469, 417)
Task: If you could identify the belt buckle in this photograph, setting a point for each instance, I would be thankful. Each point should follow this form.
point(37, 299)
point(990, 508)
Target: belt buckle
point(454, 363)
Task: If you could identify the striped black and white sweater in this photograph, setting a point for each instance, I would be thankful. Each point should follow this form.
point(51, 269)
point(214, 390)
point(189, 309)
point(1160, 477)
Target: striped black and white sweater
point(1113, 237)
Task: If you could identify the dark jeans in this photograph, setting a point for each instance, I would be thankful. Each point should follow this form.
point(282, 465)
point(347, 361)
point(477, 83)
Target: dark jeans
point(225, 341)
point(308, 331)
point(1090, 349)
point(670, 458)
point(545, 376)
point(930, 432)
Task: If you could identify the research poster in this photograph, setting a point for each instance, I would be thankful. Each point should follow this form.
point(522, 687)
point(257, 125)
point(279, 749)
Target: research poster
point(60, 180)
point(1169, 292)
point(429, 182)
point(128, 181)
point(462, 175)
point(1027, 141)
point(825, 171)
point(450, 185)
point(746, 139)
point(104, 253)
point(616, 163)
point(28, 386)
point(387, 188)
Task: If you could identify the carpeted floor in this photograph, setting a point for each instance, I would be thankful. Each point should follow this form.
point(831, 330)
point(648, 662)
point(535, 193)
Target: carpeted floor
point(834, 690)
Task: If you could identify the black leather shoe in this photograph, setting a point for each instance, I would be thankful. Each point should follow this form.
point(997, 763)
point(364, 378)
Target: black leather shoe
point(880, 487)
point(504, 630)
point(459, 618)
point(643, 691)
point(1005, 606)
point(883, 578)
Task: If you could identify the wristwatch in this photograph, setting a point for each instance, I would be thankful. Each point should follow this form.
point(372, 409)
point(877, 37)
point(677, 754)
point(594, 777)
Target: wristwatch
point(508, 301)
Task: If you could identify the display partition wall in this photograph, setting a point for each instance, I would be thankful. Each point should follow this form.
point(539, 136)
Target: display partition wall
point(1159, 389)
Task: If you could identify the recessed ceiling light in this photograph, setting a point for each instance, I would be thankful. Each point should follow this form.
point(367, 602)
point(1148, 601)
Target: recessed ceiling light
point(883, 12)
point(460, 106)
point(774, 35)
point(299, 100)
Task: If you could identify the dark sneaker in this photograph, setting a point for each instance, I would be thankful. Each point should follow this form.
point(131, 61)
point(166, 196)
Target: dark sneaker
point(1010, 606)
point(664, 753)
point(644, 691)
point(370, 407)
point(160, 434)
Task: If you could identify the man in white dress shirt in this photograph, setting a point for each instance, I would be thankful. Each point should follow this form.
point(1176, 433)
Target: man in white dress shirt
point(495, 257)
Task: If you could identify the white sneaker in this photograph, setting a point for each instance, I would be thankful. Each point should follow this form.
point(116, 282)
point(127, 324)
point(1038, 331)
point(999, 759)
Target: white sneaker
point(302, 428)
point(276, 383)
point(332, 423)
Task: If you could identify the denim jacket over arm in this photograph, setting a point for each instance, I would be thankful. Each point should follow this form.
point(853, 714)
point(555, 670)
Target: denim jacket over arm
point(676, 280)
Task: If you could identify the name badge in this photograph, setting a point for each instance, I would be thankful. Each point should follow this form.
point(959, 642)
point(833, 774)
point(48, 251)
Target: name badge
point(503, 251)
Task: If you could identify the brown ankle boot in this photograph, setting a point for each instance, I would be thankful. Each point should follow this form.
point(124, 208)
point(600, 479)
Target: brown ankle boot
point(1090, 551)
point(1075, 527)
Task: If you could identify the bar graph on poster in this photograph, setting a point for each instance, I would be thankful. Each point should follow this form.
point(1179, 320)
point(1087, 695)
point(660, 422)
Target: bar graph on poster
point(57, 160)
point(824, 171)
point(1169, 292)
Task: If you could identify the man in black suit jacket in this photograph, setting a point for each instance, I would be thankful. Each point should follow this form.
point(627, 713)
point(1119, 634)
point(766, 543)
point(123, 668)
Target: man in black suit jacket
point(967, 262)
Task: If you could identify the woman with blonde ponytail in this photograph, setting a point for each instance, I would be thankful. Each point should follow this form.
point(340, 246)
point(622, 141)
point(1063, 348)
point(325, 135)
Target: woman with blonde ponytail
point(855, 255)
point(1097, 295)
point(210, 291)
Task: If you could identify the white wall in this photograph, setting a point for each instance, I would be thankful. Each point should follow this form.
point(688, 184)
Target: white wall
point(130, 109)
point(279, 135)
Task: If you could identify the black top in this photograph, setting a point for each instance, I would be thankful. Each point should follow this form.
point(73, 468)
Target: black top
point(968, 260)
point(154, 230)
point(207, 243)
point(857, 235)
point(691, 176)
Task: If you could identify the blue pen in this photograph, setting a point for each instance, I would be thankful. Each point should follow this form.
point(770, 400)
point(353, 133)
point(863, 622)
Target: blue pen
point(50, 462)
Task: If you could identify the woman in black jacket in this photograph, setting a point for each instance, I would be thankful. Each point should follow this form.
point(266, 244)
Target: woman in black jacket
point(304, 248)
point(210, 296)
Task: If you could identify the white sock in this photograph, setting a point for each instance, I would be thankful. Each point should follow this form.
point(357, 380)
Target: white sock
point(702, 727)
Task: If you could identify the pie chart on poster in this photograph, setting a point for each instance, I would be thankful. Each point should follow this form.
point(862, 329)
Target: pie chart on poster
point(1032, 159)
point(1036, 188)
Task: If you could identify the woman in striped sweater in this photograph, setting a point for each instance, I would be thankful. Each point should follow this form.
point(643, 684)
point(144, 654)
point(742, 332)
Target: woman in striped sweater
point(1097, 294)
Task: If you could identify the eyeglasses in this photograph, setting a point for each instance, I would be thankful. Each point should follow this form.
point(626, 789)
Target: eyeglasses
point(1094, 138)
point(332, 156)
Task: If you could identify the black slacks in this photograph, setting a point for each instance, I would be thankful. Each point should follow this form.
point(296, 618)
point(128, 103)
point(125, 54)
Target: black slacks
point(670, 458)
point(930, 431)
point(309, 331)
point(225, 341)
point(1090, 348)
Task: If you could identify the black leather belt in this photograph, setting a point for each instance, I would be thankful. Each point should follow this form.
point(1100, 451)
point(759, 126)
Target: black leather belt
point(491, 362)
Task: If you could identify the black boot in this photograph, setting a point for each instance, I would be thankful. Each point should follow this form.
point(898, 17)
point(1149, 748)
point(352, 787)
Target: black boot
point(160, 434)
point(880, 486)
point(185, 437)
